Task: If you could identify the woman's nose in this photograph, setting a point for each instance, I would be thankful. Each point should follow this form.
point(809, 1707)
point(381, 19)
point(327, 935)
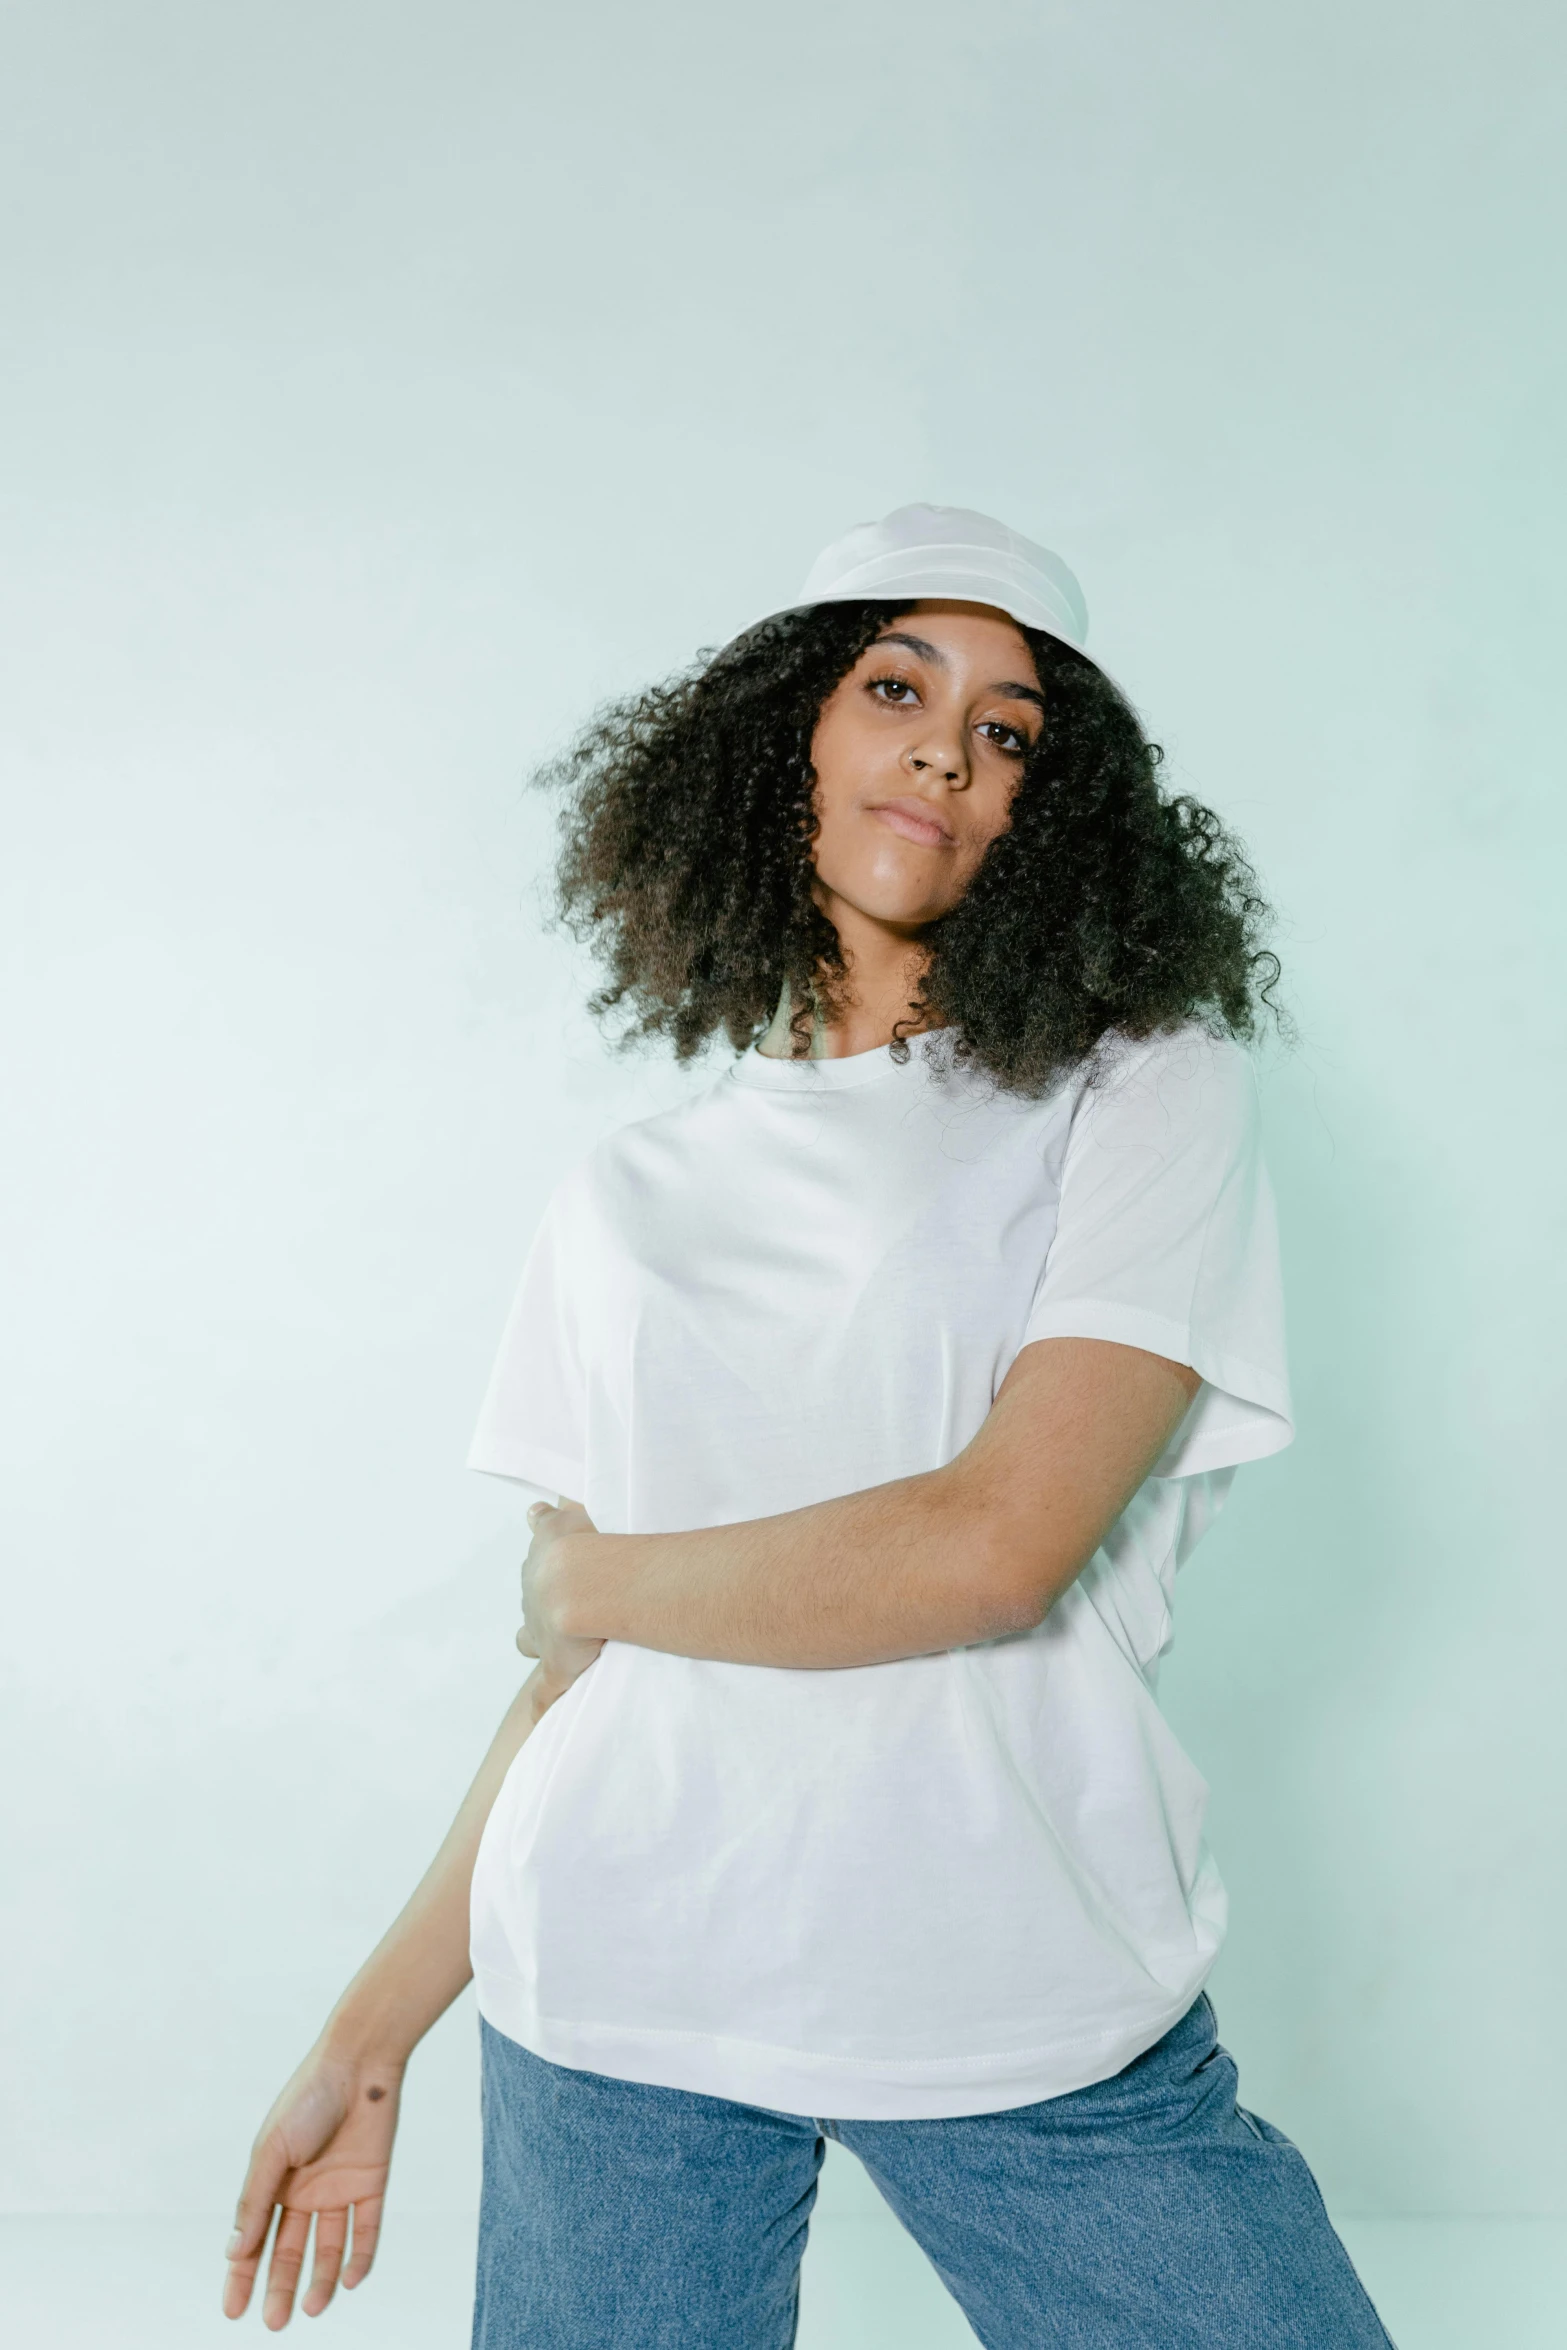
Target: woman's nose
point(936, 759)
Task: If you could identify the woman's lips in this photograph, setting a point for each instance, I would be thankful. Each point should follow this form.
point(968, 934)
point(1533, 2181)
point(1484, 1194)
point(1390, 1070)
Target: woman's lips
point(915, 820)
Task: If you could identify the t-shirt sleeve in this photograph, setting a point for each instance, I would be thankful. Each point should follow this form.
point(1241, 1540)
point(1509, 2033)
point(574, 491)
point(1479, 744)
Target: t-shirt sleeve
point(1167, 1240)
point(531, 1424)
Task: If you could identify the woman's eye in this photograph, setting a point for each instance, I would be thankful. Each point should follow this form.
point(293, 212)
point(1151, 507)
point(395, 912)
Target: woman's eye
point(1006, 738)
point(895, 689)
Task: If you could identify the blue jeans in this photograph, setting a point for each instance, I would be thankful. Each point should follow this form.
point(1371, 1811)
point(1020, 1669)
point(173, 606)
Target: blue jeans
point(1148, 2212)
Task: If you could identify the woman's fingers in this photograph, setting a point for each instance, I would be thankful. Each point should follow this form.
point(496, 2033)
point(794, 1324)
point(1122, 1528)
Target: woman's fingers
point(257, 2201)
point(367, 2228)
point(269, 2166)
point(525, 1641)
point(240, 2281)
point(288, 2258)
point(331, 2236)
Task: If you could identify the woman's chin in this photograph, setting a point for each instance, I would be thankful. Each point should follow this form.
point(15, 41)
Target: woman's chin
point(903, 903)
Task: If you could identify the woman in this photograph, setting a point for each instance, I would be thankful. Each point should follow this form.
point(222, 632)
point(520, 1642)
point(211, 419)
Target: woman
point(894, 1376)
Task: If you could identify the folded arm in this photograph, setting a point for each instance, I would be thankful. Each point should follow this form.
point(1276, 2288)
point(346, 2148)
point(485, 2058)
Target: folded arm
point(971, 1551)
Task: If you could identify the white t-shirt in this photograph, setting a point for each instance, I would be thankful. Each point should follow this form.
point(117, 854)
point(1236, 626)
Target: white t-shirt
point(941, 1886)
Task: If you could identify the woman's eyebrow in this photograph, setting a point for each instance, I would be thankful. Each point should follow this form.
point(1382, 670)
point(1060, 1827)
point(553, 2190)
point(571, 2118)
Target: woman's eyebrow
point(916, 644)
point(1012, 687)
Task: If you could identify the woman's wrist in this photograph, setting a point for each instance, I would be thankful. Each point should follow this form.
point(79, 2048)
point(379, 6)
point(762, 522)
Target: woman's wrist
point(370, 2031)
point(587, 1576)
point(391, 2004)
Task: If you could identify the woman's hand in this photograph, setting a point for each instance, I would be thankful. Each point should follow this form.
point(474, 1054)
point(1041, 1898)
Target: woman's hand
point(323, 2150)
point(561, 1658)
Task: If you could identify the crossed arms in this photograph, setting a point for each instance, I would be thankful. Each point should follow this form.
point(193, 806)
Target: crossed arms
point(972, 1551)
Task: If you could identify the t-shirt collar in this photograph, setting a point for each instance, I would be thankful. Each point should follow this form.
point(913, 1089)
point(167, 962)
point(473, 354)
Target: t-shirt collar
point(876, 1067)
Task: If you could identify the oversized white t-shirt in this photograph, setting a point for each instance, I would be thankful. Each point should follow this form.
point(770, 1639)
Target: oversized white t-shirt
point(945, 1885)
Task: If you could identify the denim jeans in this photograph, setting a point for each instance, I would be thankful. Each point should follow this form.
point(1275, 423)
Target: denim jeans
point(1148, 2212)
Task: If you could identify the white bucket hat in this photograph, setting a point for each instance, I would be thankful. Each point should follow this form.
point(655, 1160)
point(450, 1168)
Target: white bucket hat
point(947, 551)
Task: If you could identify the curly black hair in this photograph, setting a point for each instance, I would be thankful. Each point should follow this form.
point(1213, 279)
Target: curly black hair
point(1106, 909)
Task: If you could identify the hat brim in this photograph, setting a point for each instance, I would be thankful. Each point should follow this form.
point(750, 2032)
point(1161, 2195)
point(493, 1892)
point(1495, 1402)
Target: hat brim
point(947, 581)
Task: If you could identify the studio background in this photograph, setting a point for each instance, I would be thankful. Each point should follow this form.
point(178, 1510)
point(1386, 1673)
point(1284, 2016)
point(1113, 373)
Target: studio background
point(386, 385)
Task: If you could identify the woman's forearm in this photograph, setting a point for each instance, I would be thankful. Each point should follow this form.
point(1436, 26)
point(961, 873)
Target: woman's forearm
point(421, 1963)
point(904, 1569)
point(972, 1551)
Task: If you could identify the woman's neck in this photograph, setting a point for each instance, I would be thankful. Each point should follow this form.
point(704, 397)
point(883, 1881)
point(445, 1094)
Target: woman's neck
point(884, 974)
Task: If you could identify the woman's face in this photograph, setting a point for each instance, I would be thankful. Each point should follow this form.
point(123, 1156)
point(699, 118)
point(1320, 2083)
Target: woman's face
point(918, 753)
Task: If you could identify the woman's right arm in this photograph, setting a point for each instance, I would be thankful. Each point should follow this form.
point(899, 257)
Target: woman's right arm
point(326, 2146)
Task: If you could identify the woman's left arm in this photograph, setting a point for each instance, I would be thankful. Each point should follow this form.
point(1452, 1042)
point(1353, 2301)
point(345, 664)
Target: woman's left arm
point(972, 1551)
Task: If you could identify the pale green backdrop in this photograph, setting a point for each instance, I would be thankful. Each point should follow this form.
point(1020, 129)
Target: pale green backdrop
point(386, 381)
